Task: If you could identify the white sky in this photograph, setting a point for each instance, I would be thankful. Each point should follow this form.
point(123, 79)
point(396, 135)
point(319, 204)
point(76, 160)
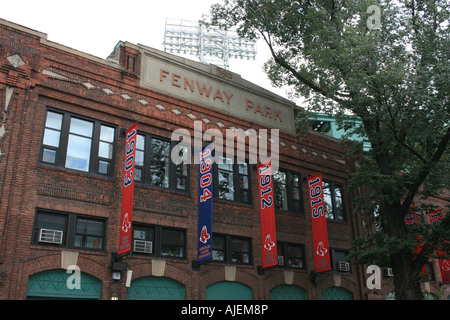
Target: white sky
point(96, 26)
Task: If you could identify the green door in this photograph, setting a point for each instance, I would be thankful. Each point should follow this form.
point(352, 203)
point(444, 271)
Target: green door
point(53, 285)
point(156, 288)
point(288, 292)
point(228, 291)
point(337, 293)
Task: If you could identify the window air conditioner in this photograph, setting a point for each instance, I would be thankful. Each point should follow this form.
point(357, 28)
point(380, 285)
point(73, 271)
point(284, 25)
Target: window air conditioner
point(280, 260)
point(343, 266)
point(142, 246)
point(388, 272)
point(50, 236)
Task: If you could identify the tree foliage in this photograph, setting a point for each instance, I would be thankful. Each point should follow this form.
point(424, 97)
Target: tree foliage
point(386, 62)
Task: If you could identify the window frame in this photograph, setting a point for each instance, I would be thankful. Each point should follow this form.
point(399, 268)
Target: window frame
point(157, 241)
point(289, 190)
point(334, 259)
point(173, 168)
point(70, 231)
point(237, 190)
point(62, 148)
point(228, 250)
point(333, 185)
point(286, 256)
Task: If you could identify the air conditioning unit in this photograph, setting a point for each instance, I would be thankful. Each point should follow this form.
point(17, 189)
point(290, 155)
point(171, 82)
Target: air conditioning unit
point(50, 236)
point(280, 260)
point(388, 272)
point(142, 246)
point(343, 266)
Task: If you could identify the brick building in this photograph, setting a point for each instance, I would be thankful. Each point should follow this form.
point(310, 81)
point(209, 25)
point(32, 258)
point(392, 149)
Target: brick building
point(61, 162)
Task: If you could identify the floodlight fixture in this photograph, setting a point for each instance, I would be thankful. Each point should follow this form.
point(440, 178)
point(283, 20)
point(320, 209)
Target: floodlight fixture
point(210, 45)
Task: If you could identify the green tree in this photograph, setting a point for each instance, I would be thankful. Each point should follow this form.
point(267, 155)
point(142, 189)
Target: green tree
point(386, 62)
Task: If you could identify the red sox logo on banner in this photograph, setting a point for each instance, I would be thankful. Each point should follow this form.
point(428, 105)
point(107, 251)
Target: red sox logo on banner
point(318, 222)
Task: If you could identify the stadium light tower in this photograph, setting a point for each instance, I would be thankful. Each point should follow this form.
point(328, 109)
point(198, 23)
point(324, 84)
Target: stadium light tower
point(210, 45)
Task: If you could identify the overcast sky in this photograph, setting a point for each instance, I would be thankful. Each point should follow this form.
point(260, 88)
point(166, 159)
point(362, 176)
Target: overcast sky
point(96, 26)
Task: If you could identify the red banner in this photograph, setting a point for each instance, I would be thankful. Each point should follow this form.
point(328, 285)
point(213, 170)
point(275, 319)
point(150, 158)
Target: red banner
point(319, 223)
point(267, 214)
point(411, 219)
point(444, 264)
point(127, 190)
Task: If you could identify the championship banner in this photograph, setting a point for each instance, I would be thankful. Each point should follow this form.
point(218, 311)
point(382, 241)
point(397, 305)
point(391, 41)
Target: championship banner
point(205, 205)
point(267, 215)
point(411, 219)
point(319, 223)
point(444, 264)
point(127, 190)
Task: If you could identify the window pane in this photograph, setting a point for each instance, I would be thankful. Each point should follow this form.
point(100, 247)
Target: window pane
point(107, 134)
point(140, 142)
point(338, 203)
point(327, 199)
point(139, 158)
point(103, 167)
point(51, 137)
point(51, 221)
point(78, 153)
point(280, 194)
point(49, 156)
point(81, 127)
point(105, 150)
point(88, 242)
point(226, 185)
point(91, 227)
point(218, 249)
point(172, 243)
point(143, 233)
point(173, 237)
point(159, 163)
point(226, 164)
point(137, 174)
point(240, 250)
point(54, 120)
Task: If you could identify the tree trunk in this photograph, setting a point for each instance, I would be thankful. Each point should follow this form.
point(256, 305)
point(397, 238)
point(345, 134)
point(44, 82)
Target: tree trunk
point(406, 274)
point(406, 278)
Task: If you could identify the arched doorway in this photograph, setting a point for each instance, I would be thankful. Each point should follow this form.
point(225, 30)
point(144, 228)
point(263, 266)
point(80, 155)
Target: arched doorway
point(337, 293)
point(156, 288)
point(226, 290)
point(57, 284)
point(288, 292)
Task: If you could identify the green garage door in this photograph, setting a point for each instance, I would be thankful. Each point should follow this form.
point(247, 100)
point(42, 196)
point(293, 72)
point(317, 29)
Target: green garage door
point(156, 288)
point(228, 291)
point(337, 293)
point(52, 285)
point(288, 292)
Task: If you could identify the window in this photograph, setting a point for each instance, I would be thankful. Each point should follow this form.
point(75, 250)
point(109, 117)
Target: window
point(77, 143)
point(291, 255)
point(158, 241)
point(231, 249)
point(338, 261)
point(332, 196)
point(69, 230)
point(287, 191)
point(232, 181)
point(153, 164)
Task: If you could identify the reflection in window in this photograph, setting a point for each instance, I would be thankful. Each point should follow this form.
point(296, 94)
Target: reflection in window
point(226, 181)
point(333, 198)
point(287, 191)
point(69, 142)
point(154, 166)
